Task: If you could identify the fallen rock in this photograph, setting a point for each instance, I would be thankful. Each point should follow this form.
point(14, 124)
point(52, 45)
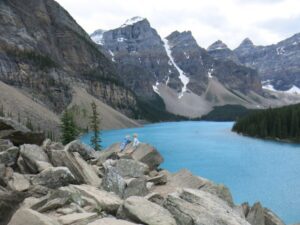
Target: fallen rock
point(107, 201)
point(140, 210)
point(83, 172)
point(18, 182)
point(159, 179)
point(85, 151)
point(155, 198)
point(271, 218)
point(181, 179)
point(9, 156)
point(54, 177)
point(110, 152)
point(19, 134)
point(29, 216)
point(77, 218)
point(35, 158)
point(131, 168)
point(135, 187)
point(146, 154)
point(197, 207)
point(219, 190)
point(111, 221)
point(256, 215)
point(9, 203)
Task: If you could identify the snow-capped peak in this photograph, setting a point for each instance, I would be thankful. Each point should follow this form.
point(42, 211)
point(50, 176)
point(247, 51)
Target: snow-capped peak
point(132, 21)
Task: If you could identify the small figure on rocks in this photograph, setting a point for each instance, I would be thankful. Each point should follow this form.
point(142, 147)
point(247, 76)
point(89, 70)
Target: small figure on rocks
point(125, 142)
point(136, 141)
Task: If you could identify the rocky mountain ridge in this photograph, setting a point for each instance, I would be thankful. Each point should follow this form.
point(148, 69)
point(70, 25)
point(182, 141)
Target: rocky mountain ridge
point(277, 64)
point(52, 184)
point(179, 71)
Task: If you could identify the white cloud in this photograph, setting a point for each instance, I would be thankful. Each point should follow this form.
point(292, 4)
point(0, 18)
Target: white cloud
point(228, 20)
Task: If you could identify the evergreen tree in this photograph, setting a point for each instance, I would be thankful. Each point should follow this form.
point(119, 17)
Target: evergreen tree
point(68, 127)
point(95, 127)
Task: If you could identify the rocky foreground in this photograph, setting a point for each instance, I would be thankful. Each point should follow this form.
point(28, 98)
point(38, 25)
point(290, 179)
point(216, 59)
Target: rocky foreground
point(51, 184)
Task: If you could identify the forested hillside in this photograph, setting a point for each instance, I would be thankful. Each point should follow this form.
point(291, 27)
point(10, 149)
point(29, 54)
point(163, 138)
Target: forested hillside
point(280, 123)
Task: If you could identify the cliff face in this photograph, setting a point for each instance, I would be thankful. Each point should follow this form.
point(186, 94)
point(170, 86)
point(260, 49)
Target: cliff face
point(44, 52)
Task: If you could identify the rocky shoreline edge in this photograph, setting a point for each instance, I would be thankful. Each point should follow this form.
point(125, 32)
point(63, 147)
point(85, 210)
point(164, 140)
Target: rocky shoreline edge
point(46, 183)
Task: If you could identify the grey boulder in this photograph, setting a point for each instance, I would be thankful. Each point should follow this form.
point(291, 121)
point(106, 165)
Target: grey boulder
point(35, 158)
point(140, 210)
point(54, 177)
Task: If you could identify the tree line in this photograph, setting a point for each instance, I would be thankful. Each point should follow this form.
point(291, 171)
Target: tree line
point(275, 123)
point(70, 131)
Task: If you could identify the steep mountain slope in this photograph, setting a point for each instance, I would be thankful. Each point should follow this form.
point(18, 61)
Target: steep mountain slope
point(175, 68)
point(45, 53)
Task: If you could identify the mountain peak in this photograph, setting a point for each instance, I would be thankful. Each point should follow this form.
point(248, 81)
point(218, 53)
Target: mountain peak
point(247, 42)
point(133, 21)
point(218, 45)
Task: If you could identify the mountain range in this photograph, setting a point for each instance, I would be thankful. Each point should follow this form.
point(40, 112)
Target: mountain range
point(48, 63)
point(191, 80)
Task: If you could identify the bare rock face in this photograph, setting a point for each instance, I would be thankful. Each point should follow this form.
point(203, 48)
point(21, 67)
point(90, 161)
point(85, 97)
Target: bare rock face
point(18, 182)
point(196, 207)
point(18, 134)
point(28, 216)
point(140, 210)
point(77, 218)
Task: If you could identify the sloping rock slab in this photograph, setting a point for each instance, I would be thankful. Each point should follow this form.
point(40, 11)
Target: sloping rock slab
point(83, 172)
point(77, 218)
point(108, 201)
point(271, 218)
point(140, 210)
point(196, 207)
point(28, 216)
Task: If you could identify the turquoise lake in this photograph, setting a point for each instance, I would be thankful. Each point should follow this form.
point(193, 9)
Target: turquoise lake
point(253, 169)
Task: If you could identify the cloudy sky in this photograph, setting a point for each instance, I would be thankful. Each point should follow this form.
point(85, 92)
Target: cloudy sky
point(263, 21)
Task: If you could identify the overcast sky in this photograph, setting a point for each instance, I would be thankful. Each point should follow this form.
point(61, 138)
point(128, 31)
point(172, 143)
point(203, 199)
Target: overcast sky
point(263, 21)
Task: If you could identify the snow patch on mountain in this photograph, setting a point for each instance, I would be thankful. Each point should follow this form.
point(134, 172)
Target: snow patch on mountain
point(98, 38)
point(182, 76)
point(132, 21)
point(112, 56)
point(155, 88)
point(294, 90)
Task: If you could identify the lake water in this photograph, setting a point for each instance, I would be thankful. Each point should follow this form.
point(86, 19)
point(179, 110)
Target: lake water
point(253, 169)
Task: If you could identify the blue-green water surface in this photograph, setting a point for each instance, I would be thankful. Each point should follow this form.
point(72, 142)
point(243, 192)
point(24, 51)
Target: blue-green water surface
point(253, 169)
